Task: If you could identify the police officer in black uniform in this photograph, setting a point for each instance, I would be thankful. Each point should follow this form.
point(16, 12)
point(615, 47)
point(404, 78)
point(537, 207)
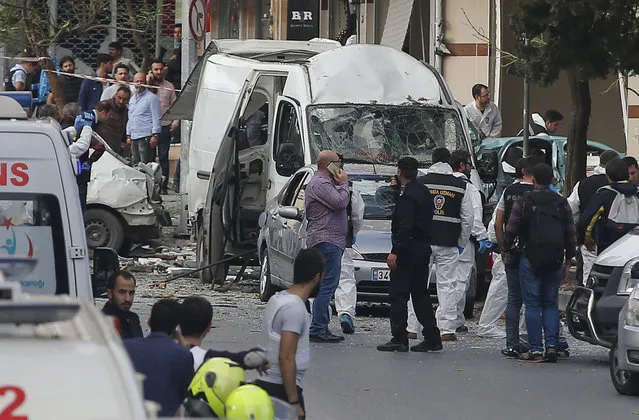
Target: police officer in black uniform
point(409, 260)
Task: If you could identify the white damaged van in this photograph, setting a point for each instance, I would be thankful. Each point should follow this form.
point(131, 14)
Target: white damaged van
point(284, 103)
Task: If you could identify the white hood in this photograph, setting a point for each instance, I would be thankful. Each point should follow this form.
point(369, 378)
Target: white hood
point(622, 251)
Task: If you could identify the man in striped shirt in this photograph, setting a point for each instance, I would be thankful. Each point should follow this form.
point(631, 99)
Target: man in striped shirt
point(327, 196)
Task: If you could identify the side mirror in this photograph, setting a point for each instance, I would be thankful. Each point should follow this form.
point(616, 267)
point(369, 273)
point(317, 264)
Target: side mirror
point(105, 263)
point(290, 212)
point(487, 166)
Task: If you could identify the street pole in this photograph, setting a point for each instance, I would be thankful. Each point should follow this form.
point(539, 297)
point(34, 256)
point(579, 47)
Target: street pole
point(526, 119)
point(189, 59)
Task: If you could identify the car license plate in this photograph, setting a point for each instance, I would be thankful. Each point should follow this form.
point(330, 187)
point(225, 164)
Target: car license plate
point(381, 274)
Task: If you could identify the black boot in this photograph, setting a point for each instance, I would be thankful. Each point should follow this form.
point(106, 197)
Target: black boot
point(394, 345)
point(432, 342)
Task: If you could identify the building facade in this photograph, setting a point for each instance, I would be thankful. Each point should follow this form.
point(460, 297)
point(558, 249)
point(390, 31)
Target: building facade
point(466, 40)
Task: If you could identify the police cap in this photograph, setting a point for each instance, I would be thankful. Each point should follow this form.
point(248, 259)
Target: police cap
point(408, 163)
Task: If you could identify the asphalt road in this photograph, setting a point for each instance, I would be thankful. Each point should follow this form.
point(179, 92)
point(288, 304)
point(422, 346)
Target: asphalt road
point(467, 380)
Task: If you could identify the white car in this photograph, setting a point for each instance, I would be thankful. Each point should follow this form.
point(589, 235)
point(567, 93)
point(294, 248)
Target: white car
point(62, 359)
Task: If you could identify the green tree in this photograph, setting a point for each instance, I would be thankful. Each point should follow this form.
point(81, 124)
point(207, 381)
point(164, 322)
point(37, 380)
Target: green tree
point(588, 39)
point(28, 24)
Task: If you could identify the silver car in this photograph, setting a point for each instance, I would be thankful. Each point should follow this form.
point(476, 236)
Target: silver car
point(283, 234)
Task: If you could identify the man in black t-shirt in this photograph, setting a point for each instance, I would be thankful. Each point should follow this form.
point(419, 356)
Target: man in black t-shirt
point(121, 291)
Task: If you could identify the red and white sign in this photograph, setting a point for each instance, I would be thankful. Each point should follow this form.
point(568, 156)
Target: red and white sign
point(197, 22)
point(13, 174)
point(11, 400)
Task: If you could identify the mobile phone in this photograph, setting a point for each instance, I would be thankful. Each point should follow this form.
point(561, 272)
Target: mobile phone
point(333, 169)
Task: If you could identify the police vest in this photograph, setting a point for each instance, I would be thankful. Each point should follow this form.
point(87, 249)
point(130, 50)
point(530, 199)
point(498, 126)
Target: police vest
point(447, 192)
point(8, 81)
point(588, 188)
point(513, 193)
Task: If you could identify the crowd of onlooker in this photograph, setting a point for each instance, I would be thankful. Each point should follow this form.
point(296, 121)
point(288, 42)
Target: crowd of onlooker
point(137, 99)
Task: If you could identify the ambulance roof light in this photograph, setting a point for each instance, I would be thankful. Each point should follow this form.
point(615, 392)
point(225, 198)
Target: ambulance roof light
point(10, 108)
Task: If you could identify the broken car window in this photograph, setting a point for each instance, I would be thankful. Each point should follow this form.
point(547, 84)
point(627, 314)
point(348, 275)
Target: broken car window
point(383, 133)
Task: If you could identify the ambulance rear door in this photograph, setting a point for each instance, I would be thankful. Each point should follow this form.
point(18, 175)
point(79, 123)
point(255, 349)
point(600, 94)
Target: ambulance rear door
point(40, 214)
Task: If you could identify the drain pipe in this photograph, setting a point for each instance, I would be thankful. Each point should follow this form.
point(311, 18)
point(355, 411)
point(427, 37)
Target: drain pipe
point(439, 35)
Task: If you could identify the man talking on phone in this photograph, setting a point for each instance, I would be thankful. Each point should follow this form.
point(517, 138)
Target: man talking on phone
point(327, 197)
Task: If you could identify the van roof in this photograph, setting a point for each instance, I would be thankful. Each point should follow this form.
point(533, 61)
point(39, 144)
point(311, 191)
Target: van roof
point(397, 78)
point(260, 50)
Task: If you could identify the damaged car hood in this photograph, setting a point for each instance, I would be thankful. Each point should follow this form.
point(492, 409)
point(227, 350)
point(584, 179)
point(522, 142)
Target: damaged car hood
point(115, 184)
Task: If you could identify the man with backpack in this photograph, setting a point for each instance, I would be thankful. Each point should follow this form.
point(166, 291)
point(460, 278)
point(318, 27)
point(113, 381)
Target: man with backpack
point(612, 212)
point(541, 221)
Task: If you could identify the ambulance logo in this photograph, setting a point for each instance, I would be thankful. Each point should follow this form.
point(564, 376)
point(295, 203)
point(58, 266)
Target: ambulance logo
point(8, 242)
point(439, 202)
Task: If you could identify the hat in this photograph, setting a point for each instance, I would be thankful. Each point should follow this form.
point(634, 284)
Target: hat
point(407, 163)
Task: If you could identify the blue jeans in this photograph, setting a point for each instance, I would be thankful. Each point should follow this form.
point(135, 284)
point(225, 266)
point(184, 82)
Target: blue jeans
point(513, 307)
point(540, 291)
point(330, 281)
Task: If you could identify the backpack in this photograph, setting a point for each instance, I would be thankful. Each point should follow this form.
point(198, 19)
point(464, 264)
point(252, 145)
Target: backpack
point(545, 245)
point(624, 213)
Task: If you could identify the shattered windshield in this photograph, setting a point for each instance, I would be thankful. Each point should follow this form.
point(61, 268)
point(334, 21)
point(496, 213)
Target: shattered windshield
point(383, 133)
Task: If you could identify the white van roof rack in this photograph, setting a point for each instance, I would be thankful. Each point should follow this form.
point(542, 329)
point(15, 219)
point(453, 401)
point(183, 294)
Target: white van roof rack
point(10, 108)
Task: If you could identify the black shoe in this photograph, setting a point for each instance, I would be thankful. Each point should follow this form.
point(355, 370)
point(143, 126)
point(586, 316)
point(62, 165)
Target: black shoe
point(551, 355)
point(462, 329)
point(326, 337)
point(394, 345)
point(428, 345)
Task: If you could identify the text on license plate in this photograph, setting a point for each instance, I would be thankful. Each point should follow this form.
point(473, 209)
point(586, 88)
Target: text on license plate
point(381, 274)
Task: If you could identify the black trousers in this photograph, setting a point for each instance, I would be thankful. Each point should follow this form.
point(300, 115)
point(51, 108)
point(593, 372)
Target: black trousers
point(278, 391)
point(410, 279)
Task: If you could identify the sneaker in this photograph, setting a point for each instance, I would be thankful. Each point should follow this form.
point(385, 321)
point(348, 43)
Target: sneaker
point(551, 355)
point(412, 336)
point(348, 326)
point(533, 356)
point(563, 348)
point(449, 337)
point(511, 353)
point(394, 345)
point(434, 344)
point(326, 337)
point(493, 332)
point(462, 329)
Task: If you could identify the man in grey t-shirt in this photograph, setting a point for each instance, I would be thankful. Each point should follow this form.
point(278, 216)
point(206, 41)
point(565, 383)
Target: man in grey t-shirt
point(286, 331)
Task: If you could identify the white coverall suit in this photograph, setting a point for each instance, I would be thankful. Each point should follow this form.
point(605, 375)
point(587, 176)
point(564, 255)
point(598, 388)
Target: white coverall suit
point(346, 293)
point(444, 261)
point(497, 296)
point(467, 257)
point(574, 200)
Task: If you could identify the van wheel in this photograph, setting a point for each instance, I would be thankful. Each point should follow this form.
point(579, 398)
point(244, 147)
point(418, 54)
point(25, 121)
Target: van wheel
point(103, 229)
point(625, 382)
point(205, 274)
point(266, 287)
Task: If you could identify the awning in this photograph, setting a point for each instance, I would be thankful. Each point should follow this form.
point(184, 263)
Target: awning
point(397, 20)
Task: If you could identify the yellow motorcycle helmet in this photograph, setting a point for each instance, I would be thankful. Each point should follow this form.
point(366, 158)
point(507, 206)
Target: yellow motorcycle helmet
point(249, 402)
point(211, 385)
